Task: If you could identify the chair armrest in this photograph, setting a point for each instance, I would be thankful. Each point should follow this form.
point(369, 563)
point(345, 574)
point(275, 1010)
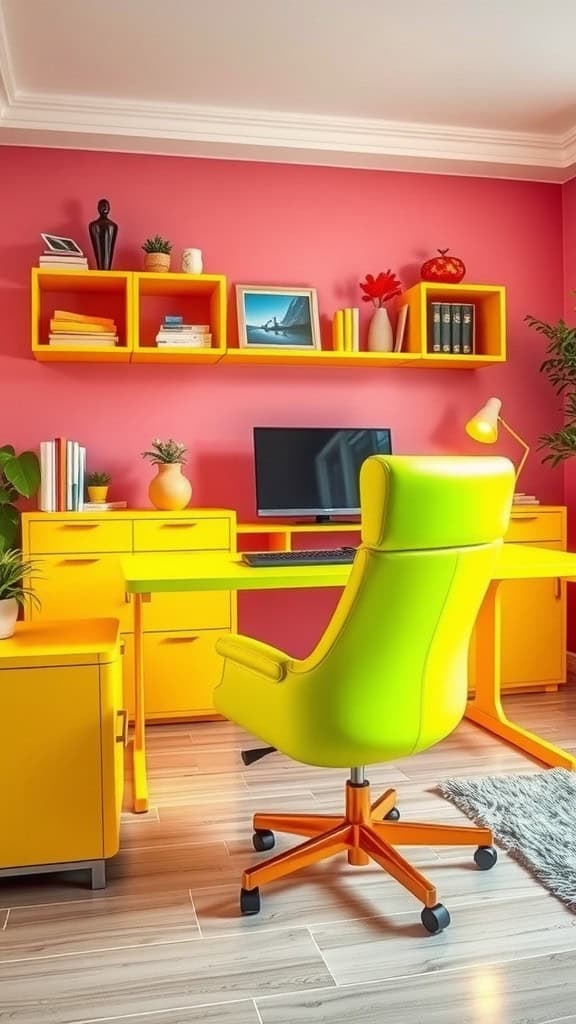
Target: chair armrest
point(262, 658)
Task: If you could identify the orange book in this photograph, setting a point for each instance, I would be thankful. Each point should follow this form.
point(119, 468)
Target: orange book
point(61, 473)
point(80, 327)
point(62, 314)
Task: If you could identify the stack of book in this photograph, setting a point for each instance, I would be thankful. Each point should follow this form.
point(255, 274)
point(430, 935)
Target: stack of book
point(62, 474)
point(76, 261)
point(525, 499)
point(77, 329)
point(174, 333)
point(346, 330)
point(452, 327)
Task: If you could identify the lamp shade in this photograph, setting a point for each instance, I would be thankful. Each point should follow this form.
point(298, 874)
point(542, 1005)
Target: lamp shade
point(484, 425)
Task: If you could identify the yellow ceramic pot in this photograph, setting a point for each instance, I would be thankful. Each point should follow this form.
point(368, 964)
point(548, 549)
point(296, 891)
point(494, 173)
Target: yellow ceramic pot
point(97, 493)
point(170, 491)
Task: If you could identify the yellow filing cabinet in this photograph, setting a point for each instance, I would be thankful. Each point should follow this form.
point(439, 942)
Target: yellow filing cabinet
point(533, 611)
point(79, 555)
point(62, 736)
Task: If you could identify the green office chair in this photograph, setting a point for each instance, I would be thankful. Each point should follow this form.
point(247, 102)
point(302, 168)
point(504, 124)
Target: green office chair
point(389, 677)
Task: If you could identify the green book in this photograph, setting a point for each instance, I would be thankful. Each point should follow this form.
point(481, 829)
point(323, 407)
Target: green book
point(445, 327)
point(456, 336)
point(434, 344)
point(467, 339)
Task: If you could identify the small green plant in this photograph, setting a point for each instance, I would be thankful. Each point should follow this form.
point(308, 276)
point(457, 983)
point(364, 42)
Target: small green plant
point(163, 452)
point(19, 478)
point(97, 479)
point(157, 244)
point(17, 575)
point(560, 368)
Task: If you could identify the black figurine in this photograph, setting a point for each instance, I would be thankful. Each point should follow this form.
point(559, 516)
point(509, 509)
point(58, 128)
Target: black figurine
point(103, 234)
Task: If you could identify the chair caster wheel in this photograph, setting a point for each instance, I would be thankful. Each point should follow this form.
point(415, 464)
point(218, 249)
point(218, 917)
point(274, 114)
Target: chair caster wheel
point(393, 815)
point(250, 901)
point(263, 839)
point(435, 919)
point(485, 857)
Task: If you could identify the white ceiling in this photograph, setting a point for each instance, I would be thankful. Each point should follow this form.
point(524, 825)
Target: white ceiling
point(471, 86)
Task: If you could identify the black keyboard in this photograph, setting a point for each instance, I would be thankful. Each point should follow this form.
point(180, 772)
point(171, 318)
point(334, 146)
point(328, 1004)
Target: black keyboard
point(324, 556)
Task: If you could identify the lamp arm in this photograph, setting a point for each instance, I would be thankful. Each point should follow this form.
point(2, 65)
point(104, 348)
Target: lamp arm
point(521, 442)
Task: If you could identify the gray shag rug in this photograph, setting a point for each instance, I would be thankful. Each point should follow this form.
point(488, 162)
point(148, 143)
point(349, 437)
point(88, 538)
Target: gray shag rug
point(531, 816)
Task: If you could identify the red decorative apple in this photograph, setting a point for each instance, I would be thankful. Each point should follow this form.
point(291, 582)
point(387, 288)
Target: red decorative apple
point(443, 269)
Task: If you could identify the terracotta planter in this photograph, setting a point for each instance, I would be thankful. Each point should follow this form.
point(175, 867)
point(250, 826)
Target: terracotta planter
point(170, 491)
point(98, 493)
point(8, 617)
point(157, 262)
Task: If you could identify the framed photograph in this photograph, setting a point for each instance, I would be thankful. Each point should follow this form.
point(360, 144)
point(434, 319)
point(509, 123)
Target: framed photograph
point(56, 244)
point(270, 317)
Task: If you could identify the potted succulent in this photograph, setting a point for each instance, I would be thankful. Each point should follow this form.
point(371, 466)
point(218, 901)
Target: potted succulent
point(16, 575)
point(157, 256)
point(169, 490)
point(19, 478)
point(98, 486)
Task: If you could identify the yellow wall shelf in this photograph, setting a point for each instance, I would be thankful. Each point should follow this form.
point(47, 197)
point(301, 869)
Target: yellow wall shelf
point(139, 301)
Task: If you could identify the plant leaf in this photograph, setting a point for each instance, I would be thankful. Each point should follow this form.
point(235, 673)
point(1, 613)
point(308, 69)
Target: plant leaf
point(6, 452)
point(8, 526)
point(23, 472)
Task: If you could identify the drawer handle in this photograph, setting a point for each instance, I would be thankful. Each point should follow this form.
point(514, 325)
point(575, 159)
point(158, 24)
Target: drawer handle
point(557, 588)
point(79, 561)
point(79, 526)
point(123, 737)
point(179, 639)
point(178, 526)
point(524, 519)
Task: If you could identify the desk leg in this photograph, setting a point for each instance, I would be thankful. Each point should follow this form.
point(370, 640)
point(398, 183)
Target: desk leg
point(485, 708)
point(139, 743)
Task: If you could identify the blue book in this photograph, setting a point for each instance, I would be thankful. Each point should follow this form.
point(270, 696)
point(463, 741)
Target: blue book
point(173, 319)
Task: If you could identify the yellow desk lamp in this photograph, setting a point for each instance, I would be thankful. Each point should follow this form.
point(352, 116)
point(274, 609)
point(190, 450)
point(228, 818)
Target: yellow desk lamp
point(483, 427)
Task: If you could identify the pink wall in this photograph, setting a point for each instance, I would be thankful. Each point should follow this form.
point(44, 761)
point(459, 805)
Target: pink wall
point(279, 224)
point(569, 255)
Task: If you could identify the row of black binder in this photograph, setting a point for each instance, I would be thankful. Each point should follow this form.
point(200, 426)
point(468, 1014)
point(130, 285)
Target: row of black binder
point(452, 327)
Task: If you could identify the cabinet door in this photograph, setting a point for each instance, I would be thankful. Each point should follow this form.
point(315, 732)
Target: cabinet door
point(82, 587)
point(114, 725)
point(180, 673)
point(533, 630)
point(50, 765)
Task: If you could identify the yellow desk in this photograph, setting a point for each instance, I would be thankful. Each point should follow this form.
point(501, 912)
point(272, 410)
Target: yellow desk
point(148, 574)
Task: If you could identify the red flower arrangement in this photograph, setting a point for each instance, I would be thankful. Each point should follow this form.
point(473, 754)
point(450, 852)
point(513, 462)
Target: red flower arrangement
point(379, 290)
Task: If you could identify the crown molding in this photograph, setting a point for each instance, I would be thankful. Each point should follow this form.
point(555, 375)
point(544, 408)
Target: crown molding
point(44, 119)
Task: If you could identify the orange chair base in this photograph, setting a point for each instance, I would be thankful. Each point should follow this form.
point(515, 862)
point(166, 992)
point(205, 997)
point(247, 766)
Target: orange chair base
point(364, 834)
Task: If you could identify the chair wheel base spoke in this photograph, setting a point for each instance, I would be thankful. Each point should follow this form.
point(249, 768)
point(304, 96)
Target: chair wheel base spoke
point(263, 839)
point(435, 919)
point(393, 815)
point(250, 901)
point(485, 857)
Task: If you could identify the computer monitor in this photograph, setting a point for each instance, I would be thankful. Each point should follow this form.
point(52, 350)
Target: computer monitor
point(313, 471)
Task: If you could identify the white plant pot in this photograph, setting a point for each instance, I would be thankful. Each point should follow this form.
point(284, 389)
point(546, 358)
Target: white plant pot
point(8, 617)
point(192, 262)
point(380, 336)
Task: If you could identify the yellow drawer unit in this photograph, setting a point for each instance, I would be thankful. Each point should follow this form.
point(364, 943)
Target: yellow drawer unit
point(182, 535)
point(62, 734)
point(533, 527)
point(79, 555)
point(77, 536)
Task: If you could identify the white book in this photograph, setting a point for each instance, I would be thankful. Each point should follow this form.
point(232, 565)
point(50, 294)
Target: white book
point(69, 446)
point(82, 478)
point(75, 474)
point(44, 492)
point(355, 329)
point(103, 506)
point(52, 475)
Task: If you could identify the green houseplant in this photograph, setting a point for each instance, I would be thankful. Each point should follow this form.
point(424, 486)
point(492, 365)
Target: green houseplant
point(560, 368)
point(157, 258)
point(169, 490)
point(97, 484)
point(19, 478)
point(17, 575)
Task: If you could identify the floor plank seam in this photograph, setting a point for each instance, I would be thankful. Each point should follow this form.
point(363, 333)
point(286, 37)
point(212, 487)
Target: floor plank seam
point(195, 913)
point(257, 1011)
point(164, 1010)
point(104, 949)
point(322, 957)
point(5, 924)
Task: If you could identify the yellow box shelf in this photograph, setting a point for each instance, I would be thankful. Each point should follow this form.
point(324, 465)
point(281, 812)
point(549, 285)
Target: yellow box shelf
point(97, 292)
point(307, 357)
point(490, 323)
point(201, 298)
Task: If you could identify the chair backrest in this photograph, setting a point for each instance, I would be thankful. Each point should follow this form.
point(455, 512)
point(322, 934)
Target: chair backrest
point(390, 673)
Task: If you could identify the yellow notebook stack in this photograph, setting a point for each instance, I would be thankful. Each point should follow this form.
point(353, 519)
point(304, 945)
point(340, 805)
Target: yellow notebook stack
point(77, 329)
point(346, 330)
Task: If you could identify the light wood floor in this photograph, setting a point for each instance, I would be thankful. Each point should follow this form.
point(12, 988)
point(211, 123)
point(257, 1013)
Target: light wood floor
point(165, 944)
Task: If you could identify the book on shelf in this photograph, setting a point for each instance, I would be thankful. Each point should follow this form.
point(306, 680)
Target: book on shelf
point(435, 326)
point(338, 331)
point(451, 328)
point(83, 330)
point(74, 340)
point(103, 506)
point(468, 328)
point(456, 331)
point(82, 326)
point(62, 475)
point(445, 327)
point(50, 258)
point(525, 499)
point(67, 315)
point(185, 341)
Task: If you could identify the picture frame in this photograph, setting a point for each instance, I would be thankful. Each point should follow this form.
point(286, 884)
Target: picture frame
point(277, 317)
point(57, 245)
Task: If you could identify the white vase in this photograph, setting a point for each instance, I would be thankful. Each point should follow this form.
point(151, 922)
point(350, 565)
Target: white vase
point(8, 616)
point(192, 261)
point(380, 336)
